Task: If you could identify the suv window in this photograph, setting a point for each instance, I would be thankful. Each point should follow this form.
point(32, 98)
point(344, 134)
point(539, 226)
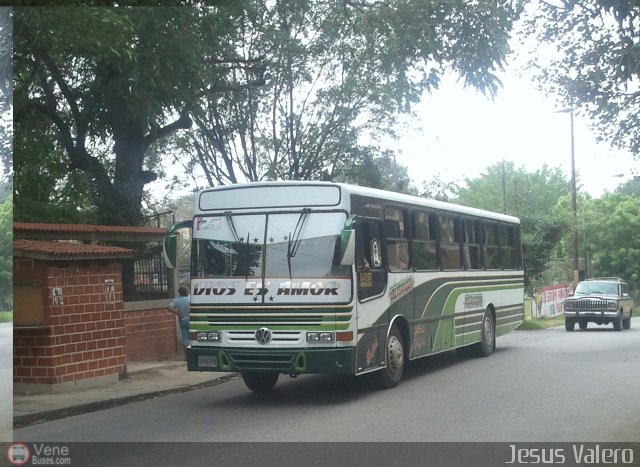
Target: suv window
point(594, 287)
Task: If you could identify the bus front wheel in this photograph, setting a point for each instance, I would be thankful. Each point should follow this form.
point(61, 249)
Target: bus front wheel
point(260, 383)
point(390, 376)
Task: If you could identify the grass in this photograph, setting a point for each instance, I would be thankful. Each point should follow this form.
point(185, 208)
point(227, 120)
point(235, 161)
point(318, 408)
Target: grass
point(535, 324)
point(6, 316)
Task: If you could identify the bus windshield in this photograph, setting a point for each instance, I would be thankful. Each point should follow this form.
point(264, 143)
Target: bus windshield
point(269, 249)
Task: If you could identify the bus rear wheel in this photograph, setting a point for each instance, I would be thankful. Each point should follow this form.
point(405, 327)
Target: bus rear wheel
point(391, 375)
point(487, 343)
point(260, 383)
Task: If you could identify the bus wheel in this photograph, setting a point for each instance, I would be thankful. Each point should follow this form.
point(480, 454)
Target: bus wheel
point(260, 383)
point(487, 343)
point(391, 375)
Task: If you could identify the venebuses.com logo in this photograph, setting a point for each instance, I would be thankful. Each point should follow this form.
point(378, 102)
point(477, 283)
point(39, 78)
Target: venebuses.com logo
point(38, 454)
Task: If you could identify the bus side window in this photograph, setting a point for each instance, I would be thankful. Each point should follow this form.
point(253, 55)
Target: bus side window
point(424, 238)
point(397, 238)
point(471, 247)
point(506, 234)
point(490, 249)
point(450, 241)
point(370, 261)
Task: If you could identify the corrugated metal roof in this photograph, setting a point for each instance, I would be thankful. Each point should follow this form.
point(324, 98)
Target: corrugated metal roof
point(85, 228)
point(67, 250)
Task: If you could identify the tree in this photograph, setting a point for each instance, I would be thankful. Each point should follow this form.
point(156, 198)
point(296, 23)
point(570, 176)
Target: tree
point(531, 197)
point(630, 187)
point(612, 223)
point(372, 167)
point(337, 68)
point(339, 74)
point(114, 94)
point(6, 253)
point(597, 64)
point(438, 189)
point(6, 32)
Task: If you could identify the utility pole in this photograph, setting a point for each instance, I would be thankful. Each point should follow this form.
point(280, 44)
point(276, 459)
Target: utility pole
point(574, 206)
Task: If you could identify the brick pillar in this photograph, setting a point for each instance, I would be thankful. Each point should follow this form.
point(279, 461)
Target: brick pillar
point(82, 340)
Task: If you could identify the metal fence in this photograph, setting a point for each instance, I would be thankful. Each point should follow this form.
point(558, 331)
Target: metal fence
point(145, 277)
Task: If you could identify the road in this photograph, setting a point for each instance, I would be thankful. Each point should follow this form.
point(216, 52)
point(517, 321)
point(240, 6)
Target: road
point(538, 386)
point(6, 381)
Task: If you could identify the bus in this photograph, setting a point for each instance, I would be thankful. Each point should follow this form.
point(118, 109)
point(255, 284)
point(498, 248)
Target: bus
point(319, 277)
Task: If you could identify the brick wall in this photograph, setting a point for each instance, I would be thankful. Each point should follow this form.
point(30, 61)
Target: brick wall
point(151, 334)
point(83, 335)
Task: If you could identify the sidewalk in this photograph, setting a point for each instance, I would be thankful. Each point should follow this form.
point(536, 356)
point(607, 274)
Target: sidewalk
point(145, 380)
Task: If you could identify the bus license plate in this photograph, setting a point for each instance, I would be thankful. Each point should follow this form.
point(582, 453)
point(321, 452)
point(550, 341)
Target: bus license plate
point(207, 361)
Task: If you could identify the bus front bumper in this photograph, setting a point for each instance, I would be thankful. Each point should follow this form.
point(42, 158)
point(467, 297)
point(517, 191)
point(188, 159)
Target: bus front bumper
point(288, 361)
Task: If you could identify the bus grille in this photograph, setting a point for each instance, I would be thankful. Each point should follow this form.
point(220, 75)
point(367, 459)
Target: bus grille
point(257, 361)
point(282, 337)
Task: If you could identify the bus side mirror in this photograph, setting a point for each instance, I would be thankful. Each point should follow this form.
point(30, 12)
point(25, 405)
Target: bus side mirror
point(347, 247)
point(170, 243)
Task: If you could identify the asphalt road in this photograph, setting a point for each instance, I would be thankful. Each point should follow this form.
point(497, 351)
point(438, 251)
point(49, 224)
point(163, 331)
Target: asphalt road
point(6, 384)
point(538, 386)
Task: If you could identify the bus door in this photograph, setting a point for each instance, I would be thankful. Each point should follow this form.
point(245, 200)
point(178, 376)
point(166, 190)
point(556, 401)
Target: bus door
point(371, 286)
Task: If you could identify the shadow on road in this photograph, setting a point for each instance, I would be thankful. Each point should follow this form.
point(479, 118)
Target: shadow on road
point(319, 390)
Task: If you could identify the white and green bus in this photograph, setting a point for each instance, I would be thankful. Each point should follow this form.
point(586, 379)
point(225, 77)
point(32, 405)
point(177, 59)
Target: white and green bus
point(317, 277)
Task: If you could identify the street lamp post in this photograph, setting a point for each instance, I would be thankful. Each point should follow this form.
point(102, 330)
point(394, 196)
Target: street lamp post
point(574, 206)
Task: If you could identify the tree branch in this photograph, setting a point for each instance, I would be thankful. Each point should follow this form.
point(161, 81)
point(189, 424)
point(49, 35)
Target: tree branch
point(81, 124)
point(183, 123)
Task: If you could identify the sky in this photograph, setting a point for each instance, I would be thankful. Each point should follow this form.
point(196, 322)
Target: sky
point(459, 132)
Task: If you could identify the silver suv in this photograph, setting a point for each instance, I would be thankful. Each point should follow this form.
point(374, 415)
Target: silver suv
point(600, 300)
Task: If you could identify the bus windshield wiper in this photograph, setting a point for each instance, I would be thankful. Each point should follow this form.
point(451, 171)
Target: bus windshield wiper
point(232, 226)
point(294, 239)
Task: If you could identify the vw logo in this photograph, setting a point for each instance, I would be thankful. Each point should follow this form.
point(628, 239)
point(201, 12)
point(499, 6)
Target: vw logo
point(263, 336)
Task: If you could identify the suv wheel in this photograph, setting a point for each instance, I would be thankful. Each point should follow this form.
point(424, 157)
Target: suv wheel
point(569, 324)
point(617, 323)
point(626, 323)
point(583, 324)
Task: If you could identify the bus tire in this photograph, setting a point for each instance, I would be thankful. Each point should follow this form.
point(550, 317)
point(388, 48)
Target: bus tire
point(487, 343)
point(389, 376)
point(260, 383)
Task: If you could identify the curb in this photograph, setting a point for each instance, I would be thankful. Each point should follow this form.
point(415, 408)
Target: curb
point(22, 421)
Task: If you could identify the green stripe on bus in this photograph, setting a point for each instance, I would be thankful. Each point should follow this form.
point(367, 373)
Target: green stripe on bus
point(211, 326)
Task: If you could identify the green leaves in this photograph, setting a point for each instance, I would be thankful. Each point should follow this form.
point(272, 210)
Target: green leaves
point(612, 223)
point(597, 63)
point(340, 73)
point(6, 253)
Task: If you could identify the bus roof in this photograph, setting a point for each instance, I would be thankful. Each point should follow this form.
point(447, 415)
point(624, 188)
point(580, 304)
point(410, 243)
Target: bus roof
point(362, 191)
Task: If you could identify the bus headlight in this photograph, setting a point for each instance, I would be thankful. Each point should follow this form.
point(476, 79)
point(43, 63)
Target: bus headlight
point(323, 336)
point(209, 336)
